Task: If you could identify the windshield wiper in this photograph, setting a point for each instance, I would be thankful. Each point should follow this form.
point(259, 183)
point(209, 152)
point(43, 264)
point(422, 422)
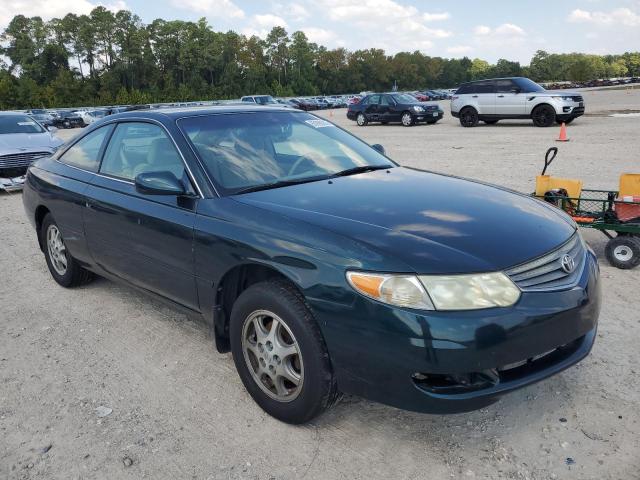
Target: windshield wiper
point(360, 169)
point(278, 184)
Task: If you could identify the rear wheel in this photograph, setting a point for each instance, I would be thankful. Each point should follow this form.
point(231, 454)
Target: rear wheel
point(543, 116)
point(623, 251)
point(63, 267)
point(280, 354)
point(361, 120)
point(468, 117)
point(406, 119)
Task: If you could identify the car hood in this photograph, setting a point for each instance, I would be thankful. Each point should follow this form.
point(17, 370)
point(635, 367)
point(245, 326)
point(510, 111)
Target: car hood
point(23, 142)
point(433, 223)
point(564, 93)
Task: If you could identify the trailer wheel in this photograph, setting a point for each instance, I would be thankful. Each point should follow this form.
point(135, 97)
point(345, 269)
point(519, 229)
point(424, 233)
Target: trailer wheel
point(623, 251)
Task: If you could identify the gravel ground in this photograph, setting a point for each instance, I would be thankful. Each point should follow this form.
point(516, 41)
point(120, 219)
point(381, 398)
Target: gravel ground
point(102, 382)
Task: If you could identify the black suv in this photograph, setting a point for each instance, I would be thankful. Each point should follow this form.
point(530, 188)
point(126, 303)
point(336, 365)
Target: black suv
point(393, 107)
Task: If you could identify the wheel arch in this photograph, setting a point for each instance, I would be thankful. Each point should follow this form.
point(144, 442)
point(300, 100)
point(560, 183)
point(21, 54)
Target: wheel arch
point(40, 212)
point(230, 286)
point(542, 104)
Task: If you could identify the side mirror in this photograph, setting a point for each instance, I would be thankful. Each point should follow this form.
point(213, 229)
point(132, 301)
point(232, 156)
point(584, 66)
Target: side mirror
point(159, 183)
point(379, 148)
point(51, 128)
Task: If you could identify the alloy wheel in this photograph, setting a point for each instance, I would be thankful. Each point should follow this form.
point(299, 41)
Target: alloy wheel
point(406, 119)
point(57, 250)
point(361, 120)
point(272, 355)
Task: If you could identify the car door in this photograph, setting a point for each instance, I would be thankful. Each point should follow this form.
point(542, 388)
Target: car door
point(485, 97)
point(386, 109)
point(510, 101)
point(144, 239)
point(372, 108)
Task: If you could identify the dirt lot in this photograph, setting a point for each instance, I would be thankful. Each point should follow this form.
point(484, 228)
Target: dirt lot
point(178, 409)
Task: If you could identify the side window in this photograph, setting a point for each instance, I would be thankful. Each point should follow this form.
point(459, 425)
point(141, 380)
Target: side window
point(137, 147)
point(247, 100)
point(85, 153)
point(374, 100)
point(385, 100)
point(505, 86)
point(484, 87)
point(464, 89)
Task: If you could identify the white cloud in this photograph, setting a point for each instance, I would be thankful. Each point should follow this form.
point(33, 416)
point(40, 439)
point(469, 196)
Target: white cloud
point(48, 9)
point(459, 49)
point(482, 30)
point(504, 30)
point(297, 12)
point(212, 8)
point(618, 16)
point(436, 17)
point(268, 20)
point(319, 35)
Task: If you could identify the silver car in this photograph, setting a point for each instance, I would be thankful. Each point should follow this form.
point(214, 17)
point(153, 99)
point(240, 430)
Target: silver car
point(497, 99)
point(22, 141)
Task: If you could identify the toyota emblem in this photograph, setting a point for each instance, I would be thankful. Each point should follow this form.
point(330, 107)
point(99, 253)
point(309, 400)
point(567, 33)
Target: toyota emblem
point(568, 263)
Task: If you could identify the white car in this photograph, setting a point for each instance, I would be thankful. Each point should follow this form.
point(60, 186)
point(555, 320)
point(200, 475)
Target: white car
point(90, 116)
point(497, 99)
point(22, 141)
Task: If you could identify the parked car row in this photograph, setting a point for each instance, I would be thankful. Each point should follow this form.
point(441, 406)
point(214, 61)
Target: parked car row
point(603, 82)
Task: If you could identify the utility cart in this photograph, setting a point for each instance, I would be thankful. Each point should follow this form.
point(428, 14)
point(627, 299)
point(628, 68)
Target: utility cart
point(615, 213)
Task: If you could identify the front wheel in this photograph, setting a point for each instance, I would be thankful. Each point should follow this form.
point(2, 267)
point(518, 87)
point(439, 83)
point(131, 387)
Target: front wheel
point(623, 251)
point(361, 120)
point(280, 354)
point(543, 116)
point(407, 119)
point(468, 117)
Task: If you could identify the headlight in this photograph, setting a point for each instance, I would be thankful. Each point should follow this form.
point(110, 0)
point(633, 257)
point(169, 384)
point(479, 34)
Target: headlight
point(566, 99)
point(418, 108)
point(471, 292)
point(399, 290)
point(438, 292)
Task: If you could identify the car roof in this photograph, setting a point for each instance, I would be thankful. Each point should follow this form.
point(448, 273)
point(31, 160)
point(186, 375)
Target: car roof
point(181, 112)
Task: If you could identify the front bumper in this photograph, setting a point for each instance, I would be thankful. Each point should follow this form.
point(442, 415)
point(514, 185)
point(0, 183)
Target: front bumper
point(566, 110)
point(11, 184)
point(447, 362)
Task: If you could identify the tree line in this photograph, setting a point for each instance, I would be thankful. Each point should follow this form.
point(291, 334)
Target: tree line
point(114, 58)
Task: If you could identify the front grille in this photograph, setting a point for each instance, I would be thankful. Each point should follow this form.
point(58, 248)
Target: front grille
point(21, 160)
point(577, 98)
point(547, 273)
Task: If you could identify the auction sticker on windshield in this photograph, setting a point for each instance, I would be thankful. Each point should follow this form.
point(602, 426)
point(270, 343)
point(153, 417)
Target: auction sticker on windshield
point(318, 123)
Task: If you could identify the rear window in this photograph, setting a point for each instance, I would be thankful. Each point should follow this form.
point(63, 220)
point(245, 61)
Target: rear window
point(466, 88)
point(19, 124)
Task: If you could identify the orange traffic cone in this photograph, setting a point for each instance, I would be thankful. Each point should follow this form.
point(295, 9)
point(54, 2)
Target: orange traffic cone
point(563, 134)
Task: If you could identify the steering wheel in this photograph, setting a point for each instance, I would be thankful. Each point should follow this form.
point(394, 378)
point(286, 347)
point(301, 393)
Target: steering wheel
point(299, 162)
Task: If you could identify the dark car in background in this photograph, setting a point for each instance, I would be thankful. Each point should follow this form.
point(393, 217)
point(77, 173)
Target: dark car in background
point(393, 107)
point(322, 265)
point(303, 104)
point(68, 119)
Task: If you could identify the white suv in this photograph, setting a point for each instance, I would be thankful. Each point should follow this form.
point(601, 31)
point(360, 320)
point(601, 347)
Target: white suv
point(514, 98)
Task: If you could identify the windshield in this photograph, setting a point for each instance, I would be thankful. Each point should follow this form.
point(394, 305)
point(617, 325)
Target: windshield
point(404, 98)
point(264, 100)
point(245, 150)
point(528, 86)
point(19, 124)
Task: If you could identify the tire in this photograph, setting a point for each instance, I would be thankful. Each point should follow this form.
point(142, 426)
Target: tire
point(407, 119)
point(277, 308)
point(543, 116)
point(623, 251)
point(567, 121)
point(468, 117)
point(361, 120)
point(64, 269)
point(490, 122)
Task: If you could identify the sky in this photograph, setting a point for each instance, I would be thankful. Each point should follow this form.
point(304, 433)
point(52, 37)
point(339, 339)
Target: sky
point(487, 29)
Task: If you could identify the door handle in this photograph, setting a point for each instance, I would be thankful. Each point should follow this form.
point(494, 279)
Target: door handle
point(474, 96)
point(500, 96)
